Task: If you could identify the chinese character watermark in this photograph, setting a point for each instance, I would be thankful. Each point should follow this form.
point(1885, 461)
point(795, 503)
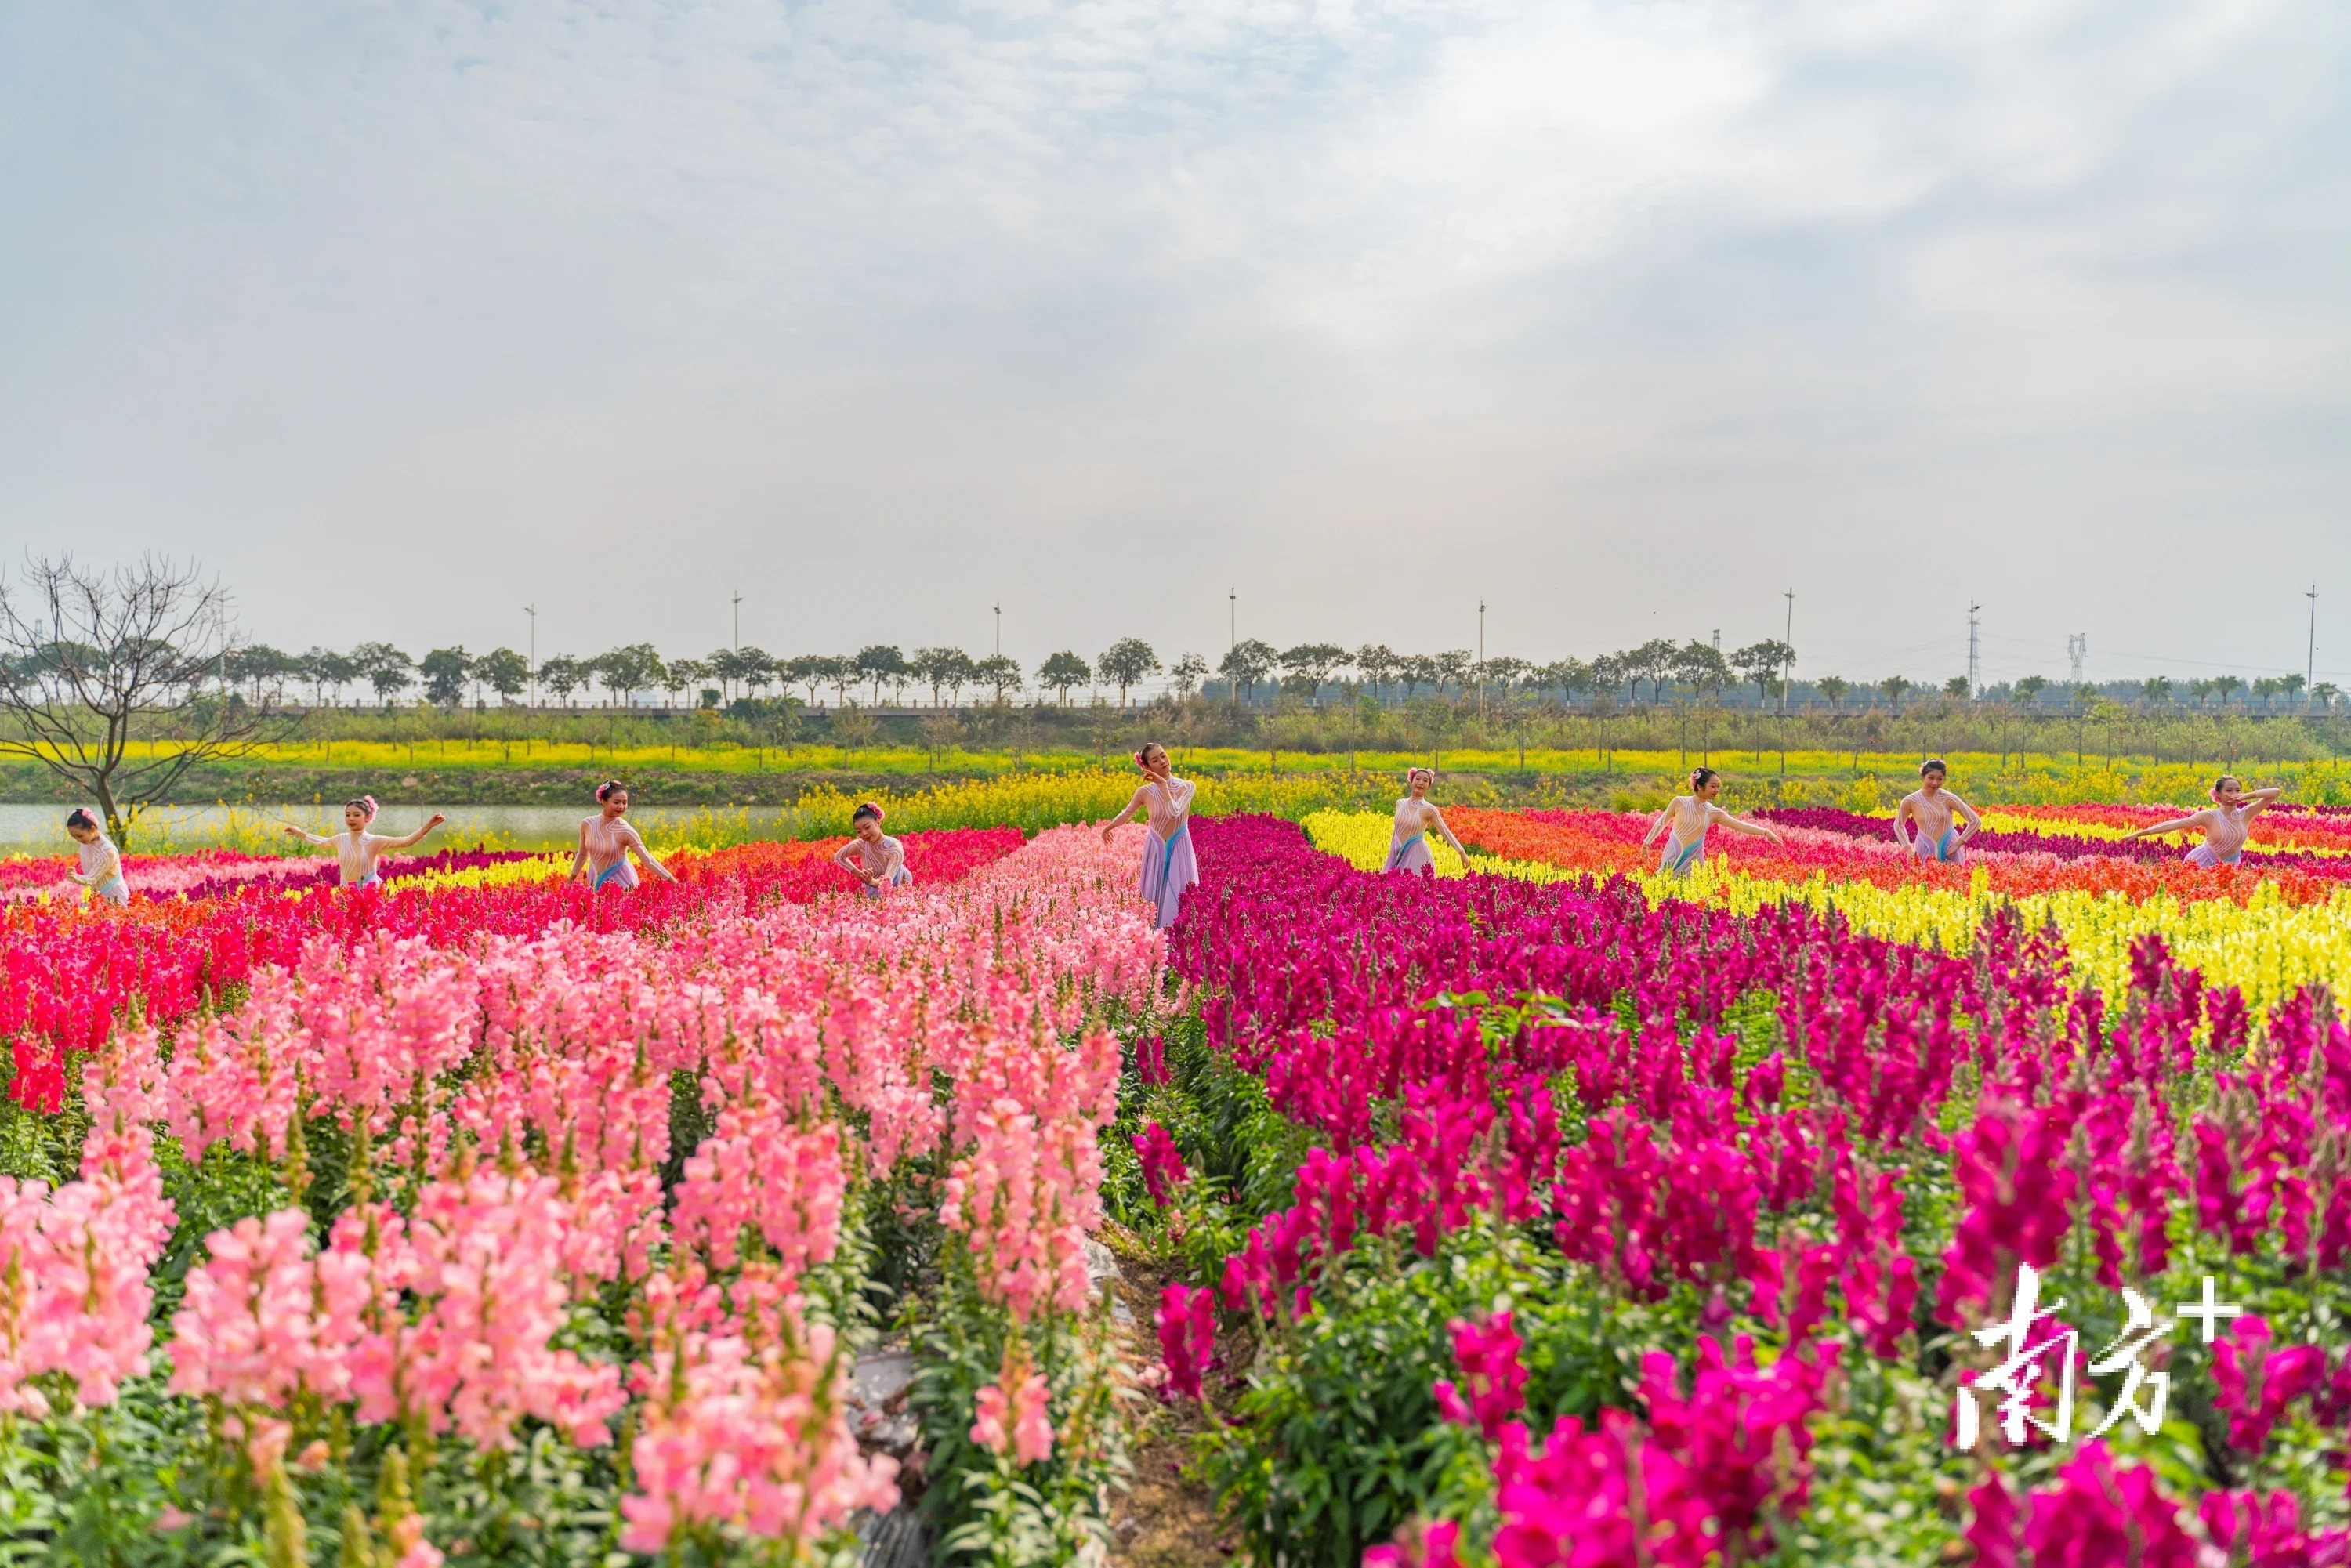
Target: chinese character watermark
point(2019, 1373)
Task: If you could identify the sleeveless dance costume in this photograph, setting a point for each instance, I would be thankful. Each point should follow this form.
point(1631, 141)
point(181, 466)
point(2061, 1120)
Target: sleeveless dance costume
point(97, 852)
point(355, 853)
point(2225, 831)
point(886, 859)
point(1169, 866)
point(1685, 843)
point(1408, 848)
point(611, 840)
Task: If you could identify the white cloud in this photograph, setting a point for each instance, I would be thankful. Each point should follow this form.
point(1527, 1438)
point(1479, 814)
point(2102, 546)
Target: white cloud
point(1620, 309)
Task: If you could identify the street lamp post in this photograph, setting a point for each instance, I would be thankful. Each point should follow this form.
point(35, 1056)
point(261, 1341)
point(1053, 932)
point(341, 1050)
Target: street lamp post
point(2310, 677)
point(1787, 640)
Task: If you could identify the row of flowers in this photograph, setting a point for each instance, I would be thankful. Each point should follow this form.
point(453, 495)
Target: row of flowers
point(67, 972)
point(470, 1229)
point(2266, 933)
point(1797, 1167)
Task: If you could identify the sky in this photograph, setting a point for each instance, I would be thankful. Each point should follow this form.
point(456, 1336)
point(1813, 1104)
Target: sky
point(1330, 321)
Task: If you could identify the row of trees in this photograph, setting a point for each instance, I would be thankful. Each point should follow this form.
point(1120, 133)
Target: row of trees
point(448, 677)
point(2157, 693)
point(1659, 669)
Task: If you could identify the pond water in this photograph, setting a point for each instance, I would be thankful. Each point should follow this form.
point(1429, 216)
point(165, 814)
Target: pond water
point(40, 829)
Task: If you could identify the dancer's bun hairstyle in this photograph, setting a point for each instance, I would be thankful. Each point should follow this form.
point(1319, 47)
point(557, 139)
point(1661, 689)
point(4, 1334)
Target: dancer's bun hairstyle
point(2225, 778)
point(1412, 773)
point(364, 805)
point(608, 788)
point(79, 816)
point(868, 808)
point(1701, 776)
point(1933, 765)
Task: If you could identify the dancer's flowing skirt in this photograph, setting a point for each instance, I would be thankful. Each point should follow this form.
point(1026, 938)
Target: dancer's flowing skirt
point(901, 877)
point(1947, 849)
point(1413, 855)
point(1169, 867)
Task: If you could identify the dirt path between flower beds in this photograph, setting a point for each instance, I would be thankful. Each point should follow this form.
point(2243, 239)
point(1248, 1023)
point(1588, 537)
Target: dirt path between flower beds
point(1164, 1518)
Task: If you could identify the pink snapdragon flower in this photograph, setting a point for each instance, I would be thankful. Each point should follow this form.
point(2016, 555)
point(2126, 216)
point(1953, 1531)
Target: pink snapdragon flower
point(247, 1331)
point(2265, 1531)
point(744, 1428)
point(1187, 1336)
point(1488, 1354)
point(2256, 1383)
point(987, 1429)
point(2099, 1516)
point(1162, 1163)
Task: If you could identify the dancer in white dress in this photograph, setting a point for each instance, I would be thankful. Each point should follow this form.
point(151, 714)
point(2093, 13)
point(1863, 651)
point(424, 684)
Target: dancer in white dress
point(1929, 809)
point(2226, 823)
point(1686, 819)
point(1408, 848)
point(101, 864)
point(873, 857)
point(358, 849)
point(1164, 802)
point(606, 842)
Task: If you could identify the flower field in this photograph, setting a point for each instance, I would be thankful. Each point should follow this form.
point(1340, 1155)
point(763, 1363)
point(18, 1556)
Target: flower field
point(1567, 1219)
point(1821, 1207)
point(475, 1220)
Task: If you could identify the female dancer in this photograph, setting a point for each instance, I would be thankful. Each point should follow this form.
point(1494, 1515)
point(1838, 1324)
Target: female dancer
point(357, 848)
point(2226, 823)
point(1414, 815)
point(1164, 801)
point(1688, 816)
point(101, 864)
point(873, 857)
point(1929, 809)
point(606, 842)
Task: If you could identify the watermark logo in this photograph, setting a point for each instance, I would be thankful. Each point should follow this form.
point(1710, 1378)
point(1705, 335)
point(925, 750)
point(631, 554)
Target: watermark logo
point(2144, 1392)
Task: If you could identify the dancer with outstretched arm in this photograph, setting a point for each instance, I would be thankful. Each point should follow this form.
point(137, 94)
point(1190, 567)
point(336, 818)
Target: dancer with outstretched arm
point(1416, 814)
point(1164, 802)
point(101, 863)
point(873, 857)
point(606, 842)
point(2226, 823)
point(1686, 818)
point(356, 849)
point(1929, 809)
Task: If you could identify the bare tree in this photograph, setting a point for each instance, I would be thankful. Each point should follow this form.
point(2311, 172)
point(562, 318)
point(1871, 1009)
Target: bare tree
point(96, 661)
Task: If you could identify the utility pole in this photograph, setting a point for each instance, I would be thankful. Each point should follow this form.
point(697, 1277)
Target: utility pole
point(532, 610)
point(1233, 601)
point(2077, 649)
point(1718, 639)
point(1975, 685)
point(738, 620)
point(1787, 640)
point(1481, 653)
point(2310, 677)
point(1000, 629)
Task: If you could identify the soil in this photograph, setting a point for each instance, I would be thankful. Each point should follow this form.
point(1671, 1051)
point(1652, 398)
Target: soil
point(1162, 1517)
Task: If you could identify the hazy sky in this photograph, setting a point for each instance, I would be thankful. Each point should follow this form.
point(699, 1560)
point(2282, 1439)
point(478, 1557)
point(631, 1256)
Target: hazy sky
point(1622, 317)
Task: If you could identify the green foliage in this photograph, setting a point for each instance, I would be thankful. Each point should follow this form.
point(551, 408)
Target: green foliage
point(985, 1507)
point(1337, 1440)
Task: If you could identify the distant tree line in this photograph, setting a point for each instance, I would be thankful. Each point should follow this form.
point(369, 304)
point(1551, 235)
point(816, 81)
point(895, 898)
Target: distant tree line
point(1654, 674)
